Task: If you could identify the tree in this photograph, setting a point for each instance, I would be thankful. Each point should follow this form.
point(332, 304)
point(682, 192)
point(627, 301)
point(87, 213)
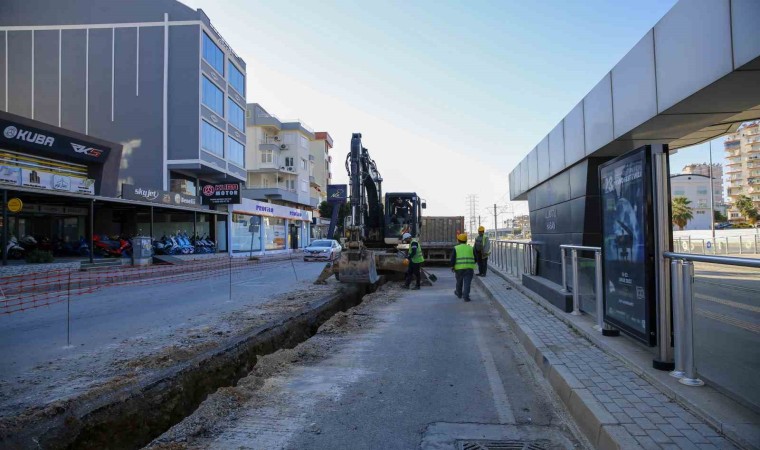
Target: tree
point(747, 209)
point(681, 211)
point(719, 217)
point(326, 209)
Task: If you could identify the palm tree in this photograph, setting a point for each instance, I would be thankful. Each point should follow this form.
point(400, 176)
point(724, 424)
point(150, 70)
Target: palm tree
point(747, 208)
point(681, 211)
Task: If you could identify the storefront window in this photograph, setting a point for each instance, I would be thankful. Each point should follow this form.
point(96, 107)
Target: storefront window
point(243, 240)
point(275, 235)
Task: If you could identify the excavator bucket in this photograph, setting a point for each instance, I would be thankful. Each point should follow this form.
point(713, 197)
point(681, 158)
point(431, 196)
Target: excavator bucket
point(357, 266)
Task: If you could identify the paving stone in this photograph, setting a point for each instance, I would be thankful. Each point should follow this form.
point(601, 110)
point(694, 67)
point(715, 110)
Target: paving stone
point(695, 437)
point(635, 429)
point(659, 437)
point(622, 417)
point(679, 423)
point(633, 412)
point(647, 443)
point(705, 430)
point(684, 443)
point(644, 423)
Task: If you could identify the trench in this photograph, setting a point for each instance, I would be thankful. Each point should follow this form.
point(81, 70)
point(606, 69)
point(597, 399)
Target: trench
point(132, 417)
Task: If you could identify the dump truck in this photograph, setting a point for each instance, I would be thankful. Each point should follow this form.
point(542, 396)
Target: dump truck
point(438, 236)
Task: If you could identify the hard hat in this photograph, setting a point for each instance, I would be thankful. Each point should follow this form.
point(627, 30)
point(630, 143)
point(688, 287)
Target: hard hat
point(462, 237)
point(481, 229)
point(406, 262)
point(406, 236)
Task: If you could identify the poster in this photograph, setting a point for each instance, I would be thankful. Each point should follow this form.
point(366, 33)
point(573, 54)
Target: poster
point(627, 247)
point(220, 194)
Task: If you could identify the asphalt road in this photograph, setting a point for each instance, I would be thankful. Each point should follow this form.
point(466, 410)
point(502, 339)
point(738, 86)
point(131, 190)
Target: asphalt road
point(727, 327)
point(432, 370)
point(36, 337)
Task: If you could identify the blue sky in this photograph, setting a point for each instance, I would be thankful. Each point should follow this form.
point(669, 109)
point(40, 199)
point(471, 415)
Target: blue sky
point(449, 96)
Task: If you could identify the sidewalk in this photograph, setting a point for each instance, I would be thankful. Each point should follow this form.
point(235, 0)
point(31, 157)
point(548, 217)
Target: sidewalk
point(608, 384)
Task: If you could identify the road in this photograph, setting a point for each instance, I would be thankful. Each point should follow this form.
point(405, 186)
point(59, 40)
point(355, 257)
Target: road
point(427, 369)
point(117, 324)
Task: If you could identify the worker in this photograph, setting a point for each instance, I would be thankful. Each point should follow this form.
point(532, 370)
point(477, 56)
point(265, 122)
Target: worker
point(482, 249)
point(415, 258)
point(463, 265)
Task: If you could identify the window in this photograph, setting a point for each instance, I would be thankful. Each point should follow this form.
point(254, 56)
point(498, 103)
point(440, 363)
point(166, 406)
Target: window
point(289, 161)
point(213, 54)
point(213, 97)
point(212, 140)
point(700, 212)
point(291, 184)
point(266, 156)
point(680, 192)
point(303, 164)
point(304, 142)
point(237, 79)
point(304, 186)
point(235, 152)
point(702, 190)
point(237, 116)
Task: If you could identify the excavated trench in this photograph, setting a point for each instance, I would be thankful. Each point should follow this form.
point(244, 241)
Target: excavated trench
point(132, 417)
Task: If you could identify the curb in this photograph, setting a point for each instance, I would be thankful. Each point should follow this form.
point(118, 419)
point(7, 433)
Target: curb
point(598, 425)
point(563, 380)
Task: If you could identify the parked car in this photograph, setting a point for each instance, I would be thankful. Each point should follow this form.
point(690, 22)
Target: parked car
point(322, 250)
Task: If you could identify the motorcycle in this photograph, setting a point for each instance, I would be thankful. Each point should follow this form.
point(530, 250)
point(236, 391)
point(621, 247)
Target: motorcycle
point(111, 247)
point(14, 250)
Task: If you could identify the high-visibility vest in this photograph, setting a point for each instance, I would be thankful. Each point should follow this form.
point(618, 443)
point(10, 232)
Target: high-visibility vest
point(465, 257)
point(418, 258)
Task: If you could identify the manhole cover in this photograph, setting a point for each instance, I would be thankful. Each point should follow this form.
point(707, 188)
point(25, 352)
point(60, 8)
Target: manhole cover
point(502, 445)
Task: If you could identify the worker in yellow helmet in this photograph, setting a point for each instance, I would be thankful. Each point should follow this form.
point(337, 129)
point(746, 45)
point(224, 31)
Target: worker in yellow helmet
point(463, 265)
point(482, 249)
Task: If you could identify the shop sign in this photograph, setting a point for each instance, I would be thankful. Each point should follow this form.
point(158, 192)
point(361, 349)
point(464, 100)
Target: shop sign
point(132, 192)
point(628, 248)
point(220, 194)
point(50, 209)
point(15, 205)
point(256, 208)
point(337, 193)
point(14, 133)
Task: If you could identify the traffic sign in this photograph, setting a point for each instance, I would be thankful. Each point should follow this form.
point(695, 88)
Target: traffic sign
point(15, 205)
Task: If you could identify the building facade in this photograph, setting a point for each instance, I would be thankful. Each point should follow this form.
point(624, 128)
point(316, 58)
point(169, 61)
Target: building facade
point(696, 188)
point(717, 174)
point(743, 167)
point(151, 75)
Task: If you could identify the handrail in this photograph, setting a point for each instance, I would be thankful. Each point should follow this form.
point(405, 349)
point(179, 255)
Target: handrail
point(726, 260)
point(581, 247)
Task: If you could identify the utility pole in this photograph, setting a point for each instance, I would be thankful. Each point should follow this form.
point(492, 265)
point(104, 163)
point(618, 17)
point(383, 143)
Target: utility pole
point(495, 226)
point(472, 203)
point(478, 221)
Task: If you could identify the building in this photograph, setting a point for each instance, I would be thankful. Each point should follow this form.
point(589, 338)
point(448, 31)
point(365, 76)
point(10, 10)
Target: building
point(128, 83)
point(151, 75)
point(696, 188)
point(322, 176)
point(717, 174)
point(743, 166)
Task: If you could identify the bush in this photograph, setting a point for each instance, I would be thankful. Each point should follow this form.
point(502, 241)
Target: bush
point(742, 225)
point(39, 257)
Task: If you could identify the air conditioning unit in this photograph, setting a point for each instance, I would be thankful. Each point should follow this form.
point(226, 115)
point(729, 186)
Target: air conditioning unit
point(290, 168)
point(282, 168)
point(283, 146)
point(276, 138)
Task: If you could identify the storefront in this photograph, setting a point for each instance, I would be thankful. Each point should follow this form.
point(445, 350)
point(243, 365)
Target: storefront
point(67, 189)
point(259, 227)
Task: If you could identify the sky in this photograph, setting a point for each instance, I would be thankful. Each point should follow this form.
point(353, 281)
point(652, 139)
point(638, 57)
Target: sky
point(449, 95)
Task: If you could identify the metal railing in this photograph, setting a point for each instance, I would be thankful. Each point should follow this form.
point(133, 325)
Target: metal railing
point(682, 282)
point(605, 329)
point(723, 245)
point(514, 257)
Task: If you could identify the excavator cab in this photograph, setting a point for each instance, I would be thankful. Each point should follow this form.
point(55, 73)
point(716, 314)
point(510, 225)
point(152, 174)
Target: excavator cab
point(403, 214)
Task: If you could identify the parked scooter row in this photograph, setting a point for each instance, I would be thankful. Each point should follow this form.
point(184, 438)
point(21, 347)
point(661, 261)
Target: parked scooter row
point(181, 244)
point(116, 246)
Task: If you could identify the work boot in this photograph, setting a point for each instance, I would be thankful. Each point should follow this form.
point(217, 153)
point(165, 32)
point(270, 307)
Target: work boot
point(405, 286)
point(415, 288)
point(467, 299)
point(458, 294)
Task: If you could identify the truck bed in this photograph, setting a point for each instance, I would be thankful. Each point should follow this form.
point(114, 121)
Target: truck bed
point(438, 236)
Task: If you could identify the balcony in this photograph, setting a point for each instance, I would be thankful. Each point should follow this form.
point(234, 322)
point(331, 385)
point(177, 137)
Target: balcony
point(313, 182)
point(314, 202)
point(270, 193)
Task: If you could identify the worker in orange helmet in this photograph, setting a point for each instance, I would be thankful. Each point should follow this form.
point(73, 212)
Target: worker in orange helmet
point(463, 265)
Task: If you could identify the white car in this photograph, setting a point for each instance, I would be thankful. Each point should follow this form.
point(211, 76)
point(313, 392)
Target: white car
point(322, 250)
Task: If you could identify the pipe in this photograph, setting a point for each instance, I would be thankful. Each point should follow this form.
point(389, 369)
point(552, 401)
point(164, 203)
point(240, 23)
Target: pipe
point(5, 227)
point(563, 260)
point(576, 284)
point(676, 273)
point(688, 330)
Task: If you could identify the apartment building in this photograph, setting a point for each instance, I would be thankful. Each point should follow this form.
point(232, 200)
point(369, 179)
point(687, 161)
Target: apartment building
point(151, 75)
point(717, 174)
point(321, 177)
point(696, 188)
point(743, 166)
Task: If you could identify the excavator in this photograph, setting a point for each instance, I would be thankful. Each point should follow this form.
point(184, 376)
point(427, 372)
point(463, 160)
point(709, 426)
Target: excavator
point(373, 229)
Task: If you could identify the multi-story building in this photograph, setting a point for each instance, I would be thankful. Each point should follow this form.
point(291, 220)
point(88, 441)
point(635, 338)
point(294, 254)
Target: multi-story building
point(151, 75)
point(696, 188)
point(743, 166)
point(321, 177)
point(717, 174)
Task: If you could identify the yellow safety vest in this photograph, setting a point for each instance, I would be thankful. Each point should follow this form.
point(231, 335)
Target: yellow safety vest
point(465, 257)
point(418, 258)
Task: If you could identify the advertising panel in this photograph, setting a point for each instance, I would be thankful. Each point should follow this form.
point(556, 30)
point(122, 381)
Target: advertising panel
point(16, 134)
point(257, 208)
point(132, 192)
point(337, 193)
point(220, 194)
point(628, 248)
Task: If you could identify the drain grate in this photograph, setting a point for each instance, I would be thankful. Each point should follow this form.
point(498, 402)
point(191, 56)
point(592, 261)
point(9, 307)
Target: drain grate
point(501, 445)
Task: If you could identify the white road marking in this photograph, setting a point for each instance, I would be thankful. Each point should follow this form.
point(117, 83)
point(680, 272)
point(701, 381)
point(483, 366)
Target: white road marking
point(738, 305)
point(500, 400)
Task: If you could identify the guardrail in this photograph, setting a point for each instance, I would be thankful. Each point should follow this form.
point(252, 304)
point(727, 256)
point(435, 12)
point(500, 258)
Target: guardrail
point(515, 257)
point(725, 245)
point(605, 329)
point(682, 282)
